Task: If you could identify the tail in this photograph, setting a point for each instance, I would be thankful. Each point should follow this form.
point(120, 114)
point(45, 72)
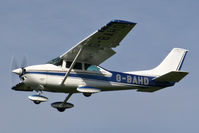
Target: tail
point(169, 68)
point(173, 61)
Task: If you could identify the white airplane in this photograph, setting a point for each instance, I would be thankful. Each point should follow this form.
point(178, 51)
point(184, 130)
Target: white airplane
point(78, 70)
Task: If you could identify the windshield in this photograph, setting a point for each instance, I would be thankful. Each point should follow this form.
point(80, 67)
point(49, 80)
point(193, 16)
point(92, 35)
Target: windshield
point(57, 61)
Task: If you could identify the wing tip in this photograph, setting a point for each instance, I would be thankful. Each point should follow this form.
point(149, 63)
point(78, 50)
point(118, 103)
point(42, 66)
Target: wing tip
point(122, 21)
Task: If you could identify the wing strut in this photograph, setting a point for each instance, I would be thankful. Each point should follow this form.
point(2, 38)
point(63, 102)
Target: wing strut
point(72, 65)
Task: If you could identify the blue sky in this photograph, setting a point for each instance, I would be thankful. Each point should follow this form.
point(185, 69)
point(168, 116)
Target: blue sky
point(43, 30)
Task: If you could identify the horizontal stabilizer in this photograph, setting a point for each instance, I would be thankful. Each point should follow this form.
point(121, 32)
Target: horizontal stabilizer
point(173, 76)
point(85, 89)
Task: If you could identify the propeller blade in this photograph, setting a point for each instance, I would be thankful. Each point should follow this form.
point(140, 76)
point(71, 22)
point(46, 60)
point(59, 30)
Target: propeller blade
point(13, 66)
point(13, 63)
point(15, 76)
point(24, 62)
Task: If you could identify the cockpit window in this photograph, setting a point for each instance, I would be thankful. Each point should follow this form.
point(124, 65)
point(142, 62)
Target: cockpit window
point(68, 63)
point(86, 66)
point(89, 67)
point(76, 66)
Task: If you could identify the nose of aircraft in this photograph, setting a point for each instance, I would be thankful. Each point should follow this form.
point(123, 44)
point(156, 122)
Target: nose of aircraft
point(17, 71)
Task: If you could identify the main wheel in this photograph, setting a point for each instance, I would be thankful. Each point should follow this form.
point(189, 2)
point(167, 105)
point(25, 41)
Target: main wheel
point(87, 94)
point(37, 102)
point(61, 106)
point(61, 109)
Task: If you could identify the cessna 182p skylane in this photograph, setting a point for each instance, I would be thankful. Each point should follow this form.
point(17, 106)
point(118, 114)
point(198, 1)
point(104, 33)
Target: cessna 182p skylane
point(78, 70)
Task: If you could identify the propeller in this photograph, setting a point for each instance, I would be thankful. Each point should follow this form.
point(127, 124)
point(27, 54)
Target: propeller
point(13, 66)
point(24, 62)
point(16, 70)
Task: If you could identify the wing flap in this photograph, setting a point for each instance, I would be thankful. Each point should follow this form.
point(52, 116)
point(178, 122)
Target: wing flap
point(173, 76)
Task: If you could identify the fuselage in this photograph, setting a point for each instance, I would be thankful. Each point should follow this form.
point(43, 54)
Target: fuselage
point(48, 77)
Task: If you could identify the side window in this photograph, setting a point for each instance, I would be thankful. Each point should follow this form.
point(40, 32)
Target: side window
point(68, 63)
point(76, 66)
point(89, 67)
point(86, 66)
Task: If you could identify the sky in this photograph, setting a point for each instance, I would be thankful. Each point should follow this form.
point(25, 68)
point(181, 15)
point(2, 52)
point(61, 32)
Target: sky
point(43, 30)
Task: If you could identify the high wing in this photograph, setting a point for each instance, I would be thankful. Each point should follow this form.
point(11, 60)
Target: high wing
point(97, 47)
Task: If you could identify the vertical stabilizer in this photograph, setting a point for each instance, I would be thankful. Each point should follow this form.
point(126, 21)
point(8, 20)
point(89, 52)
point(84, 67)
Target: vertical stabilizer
point(173, 61)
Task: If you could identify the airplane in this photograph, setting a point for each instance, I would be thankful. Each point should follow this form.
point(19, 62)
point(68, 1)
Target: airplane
point(78, 70)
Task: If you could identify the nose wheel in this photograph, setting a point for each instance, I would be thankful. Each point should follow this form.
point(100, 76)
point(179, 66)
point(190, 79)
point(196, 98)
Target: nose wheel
point(37, 99)
point(37, 102)
point(62, 106)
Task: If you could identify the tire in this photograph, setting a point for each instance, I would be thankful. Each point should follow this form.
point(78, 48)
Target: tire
point(87, 94)
point(61, 109)
point(37, 102)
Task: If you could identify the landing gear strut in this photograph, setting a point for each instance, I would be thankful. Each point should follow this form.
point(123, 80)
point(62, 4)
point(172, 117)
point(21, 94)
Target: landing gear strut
point(61, 106)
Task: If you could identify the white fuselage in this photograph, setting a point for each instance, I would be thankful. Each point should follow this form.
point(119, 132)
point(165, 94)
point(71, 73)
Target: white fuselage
point(48, 77)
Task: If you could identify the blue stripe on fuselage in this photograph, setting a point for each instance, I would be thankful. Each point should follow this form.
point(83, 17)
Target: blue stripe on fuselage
point(116, 77)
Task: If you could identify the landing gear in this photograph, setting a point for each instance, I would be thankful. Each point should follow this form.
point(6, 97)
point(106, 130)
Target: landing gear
point(61, 106)
point(37, 102)
point(87, 94)
point(37, 99)
point(61, 109)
